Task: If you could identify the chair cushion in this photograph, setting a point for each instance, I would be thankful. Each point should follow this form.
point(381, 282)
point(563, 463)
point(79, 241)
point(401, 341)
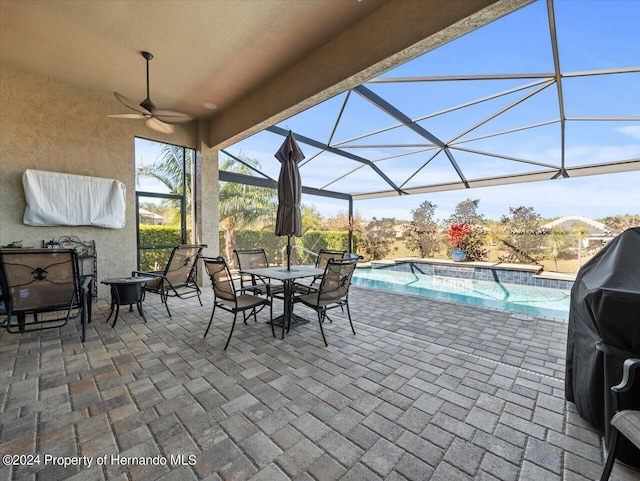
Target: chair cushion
point(628, 423)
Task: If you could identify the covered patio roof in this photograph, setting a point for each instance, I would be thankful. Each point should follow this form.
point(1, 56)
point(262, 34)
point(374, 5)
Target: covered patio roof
point(543, 93)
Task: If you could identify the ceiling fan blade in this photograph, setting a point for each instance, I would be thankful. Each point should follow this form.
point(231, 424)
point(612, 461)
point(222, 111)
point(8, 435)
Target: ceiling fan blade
point(131, 104)
point(171, 116)
point(160, 126)
point(127, 116)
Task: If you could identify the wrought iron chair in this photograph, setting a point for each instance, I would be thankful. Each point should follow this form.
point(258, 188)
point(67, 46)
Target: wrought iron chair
point(333, 291)
point(324, 255)
point(45, 284)
point(624, 421)
point(230, 299)
point(256, 259)
point(179, 278)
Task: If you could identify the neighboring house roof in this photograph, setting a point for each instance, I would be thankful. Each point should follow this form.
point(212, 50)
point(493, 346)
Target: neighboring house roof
point(594, 227)
point(147, 214)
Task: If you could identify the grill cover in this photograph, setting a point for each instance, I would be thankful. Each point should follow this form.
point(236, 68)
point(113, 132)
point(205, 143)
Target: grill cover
point(605, 308)
point(65, 199)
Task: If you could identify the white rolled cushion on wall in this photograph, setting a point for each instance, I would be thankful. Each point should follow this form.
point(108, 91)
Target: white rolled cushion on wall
point(55, 198)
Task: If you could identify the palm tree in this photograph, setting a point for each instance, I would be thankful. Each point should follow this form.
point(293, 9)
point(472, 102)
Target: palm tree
point(240, 205)
point(558, 239)
point(168, 169)
point(243, 205)
point(580, 232)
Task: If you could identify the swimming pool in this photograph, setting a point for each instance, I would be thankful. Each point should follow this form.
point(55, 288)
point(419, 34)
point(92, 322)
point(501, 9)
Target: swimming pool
point(541, 301)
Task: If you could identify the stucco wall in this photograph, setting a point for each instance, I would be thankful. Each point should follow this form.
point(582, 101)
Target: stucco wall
point(47, 125)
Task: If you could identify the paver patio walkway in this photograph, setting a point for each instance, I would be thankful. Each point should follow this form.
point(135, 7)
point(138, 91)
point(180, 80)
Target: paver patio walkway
point(426, 390)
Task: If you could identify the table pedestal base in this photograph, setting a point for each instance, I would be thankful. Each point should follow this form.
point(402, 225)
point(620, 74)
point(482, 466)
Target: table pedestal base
point(115, 306)
point(295, 320)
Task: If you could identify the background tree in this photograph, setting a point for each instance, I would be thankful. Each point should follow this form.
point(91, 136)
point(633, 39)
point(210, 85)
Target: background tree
point(579, 233)
point(341, 222)
point(377, 238)
point(467, 212)
point(243, 206)
point(311, 218)
point(558, 240)
point(422, 232)
point(168, 169)
point(496, 231)
point(617, 224)
point(523, 239)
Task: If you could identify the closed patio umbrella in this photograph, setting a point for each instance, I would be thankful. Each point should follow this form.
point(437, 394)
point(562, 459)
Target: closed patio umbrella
point(289, 219)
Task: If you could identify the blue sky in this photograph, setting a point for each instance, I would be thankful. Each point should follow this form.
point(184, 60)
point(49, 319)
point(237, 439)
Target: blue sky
point(592, 35)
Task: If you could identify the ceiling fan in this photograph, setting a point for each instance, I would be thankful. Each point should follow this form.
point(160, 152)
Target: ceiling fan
point(159, 120)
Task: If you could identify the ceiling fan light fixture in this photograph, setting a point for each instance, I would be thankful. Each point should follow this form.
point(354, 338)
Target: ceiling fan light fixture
point(210, 105)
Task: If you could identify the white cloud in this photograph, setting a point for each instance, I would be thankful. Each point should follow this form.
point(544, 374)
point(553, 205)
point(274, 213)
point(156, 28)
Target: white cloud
point(632, 130)
point(593, 154)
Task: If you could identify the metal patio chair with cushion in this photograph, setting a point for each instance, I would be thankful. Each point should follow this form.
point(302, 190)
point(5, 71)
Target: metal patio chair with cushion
point(179, 278)
point(230, 299)
point(256, 259)
point(624, 421)
point(333, 291)
point(43, 284)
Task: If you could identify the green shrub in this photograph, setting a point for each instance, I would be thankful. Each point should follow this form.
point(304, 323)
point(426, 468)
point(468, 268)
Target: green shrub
point(151, 235)
point(314, 240)
point(275, 246)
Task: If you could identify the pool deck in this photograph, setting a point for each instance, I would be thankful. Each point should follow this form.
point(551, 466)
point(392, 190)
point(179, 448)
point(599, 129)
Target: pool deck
point(427, 389)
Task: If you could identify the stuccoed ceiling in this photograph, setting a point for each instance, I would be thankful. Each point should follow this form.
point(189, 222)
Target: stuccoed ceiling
point(258, 61)
point(205, 50)
point(549, 91)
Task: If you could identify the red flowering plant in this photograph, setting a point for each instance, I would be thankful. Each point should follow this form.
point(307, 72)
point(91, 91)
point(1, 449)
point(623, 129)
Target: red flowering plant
point(458, 235)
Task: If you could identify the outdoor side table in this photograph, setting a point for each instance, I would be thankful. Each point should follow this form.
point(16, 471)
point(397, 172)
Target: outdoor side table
point(126, 291)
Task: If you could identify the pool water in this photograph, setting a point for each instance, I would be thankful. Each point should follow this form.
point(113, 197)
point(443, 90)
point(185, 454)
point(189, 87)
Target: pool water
point(540, 301)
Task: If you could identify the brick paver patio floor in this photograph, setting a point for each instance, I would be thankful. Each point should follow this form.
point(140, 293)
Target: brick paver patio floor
point(425, 390)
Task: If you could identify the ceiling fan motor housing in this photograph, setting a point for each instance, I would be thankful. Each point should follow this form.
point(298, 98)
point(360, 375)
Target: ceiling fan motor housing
point(148, 104)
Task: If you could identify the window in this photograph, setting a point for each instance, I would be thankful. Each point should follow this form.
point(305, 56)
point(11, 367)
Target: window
point(163, 200)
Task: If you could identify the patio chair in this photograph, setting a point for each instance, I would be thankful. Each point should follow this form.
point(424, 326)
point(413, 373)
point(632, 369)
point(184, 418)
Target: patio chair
point(43, 284)
point(255, 259)
point(179, 278)
point(324, 255)
point(333, 291)
point(230, 299)
point(624, 421)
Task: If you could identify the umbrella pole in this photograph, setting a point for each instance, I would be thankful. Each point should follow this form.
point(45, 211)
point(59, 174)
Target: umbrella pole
point(288, 252)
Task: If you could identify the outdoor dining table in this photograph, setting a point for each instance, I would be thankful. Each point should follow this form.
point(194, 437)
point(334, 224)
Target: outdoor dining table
point(287, 277)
